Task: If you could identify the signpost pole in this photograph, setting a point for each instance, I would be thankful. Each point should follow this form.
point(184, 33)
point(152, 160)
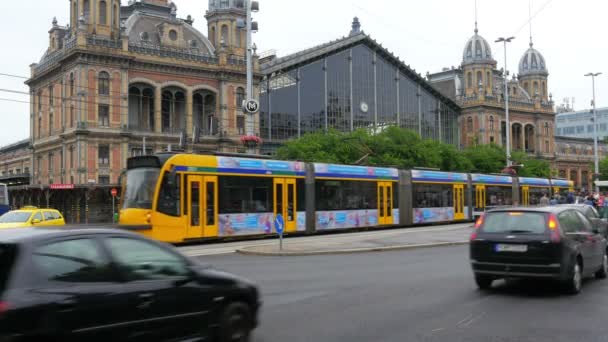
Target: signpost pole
point(113, 210)
point(279, 226)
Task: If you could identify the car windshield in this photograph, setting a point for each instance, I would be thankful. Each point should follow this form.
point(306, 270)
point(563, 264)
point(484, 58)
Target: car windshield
point(15, 217)
point(140, 187)
point(515, 222)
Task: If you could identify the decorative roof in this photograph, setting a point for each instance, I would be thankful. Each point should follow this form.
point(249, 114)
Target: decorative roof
point(477, 50)
point(148, 28)
point(532, 63)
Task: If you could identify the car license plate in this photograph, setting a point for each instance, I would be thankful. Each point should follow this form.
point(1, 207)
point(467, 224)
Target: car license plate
point(511, 248)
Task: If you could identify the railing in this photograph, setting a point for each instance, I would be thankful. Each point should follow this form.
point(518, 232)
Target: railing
point(234, 60)
point(156, 50)
point(104, 42)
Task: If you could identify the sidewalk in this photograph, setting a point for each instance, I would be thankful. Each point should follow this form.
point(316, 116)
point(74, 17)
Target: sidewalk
point(386, 240)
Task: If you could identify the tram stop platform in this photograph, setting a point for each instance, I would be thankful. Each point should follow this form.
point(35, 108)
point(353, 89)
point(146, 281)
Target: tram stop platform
point(369, 241)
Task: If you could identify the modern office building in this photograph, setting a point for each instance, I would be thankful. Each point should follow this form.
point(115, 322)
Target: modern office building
point(579, 124)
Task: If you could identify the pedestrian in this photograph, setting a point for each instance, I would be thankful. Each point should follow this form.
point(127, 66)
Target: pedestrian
point(570, 198)
point(553, 200)
point(544, 201)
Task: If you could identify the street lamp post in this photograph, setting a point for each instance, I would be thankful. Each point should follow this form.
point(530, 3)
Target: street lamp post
point(505, 41)
point(597, 162)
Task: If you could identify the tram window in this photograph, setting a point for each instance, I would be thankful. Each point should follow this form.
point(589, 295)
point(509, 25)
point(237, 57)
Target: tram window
point(169, 196)
point(536, 194)
point(433, 196)
point(245, 195)
point(499, 195)
point(210, 204)
point(346, 195)
point(301, 195)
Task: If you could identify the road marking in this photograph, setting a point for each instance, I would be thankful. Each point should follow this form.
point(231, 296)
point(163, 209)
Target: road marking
point(464, 320)
point(438, 329)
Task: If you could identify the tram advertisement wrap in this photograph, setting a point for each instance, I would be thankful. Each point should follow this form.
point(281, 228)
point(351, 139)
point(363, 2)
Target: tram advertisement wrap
point(350, 219)
point(429, 215)
point(252, 224)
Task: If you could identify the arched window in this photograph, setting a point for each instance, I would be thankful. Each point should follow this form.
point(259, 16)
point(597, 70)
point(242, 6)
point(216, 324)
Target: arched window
point(71, 84)
point(544, 89)
point(547, 146)
point(240, 97)
point(491, 124)
point(546, 129)
point(479, 79)
point(212, 36)
point(104, 83)
point(535, 92)
point(469, 124)
point(488, 79)
point(527, 88)
point(224, 39)
point(103, 12)
point(469, 80)
point(86, 8)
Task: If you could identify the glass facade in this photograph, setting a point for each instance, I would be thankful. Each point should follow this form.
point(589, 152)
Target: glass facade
point(350, 89)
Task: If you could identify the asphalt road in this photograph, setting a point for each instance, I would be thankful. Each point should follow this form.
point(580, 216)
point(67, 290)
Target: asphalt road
point(416, 295)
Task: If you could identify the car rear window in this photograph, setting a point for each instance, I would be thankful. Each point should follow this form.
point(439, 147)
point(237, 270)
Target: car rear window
point(7, 259)
point(515, 222)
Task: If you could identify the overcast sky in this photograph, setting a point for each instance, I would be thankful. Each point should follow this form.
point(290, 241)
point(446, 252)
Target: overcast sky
point(428, 35)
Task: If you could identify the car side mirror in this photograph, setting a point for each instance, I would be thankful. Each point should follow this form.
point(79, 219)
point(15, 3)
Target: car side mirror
point(36, 221)
point(595, 230)
point(191, 276)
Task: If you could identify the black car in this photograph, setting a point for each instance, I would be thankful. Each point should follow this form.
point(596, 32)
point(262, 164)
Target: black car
point(592, 215)
point(108, 285)
point(551, 242)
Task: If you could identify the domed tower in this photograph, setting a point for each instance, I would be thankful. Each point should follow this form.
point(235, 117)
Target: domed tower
point(533, 74)
point(477, 66)
point(223, 19)
point(99, 17)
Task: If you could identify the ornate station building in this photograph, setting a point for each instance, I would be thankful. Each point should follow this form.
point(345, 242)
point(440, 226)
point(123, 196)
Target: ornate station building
point(119, 81)
point(478, 86)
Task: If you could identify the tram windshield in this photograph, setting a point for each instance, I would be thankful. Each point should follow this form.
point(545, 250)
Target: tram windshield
point(140, 186)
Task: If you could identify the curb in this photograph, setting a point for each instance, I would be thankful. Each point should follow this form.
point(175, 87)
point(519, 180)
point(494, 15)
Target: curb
point(252, 252)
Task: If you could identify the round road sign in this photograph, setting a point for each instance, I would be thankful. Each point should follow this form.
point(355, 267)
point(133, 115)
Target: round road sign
point(114, 192)
point(251, 106)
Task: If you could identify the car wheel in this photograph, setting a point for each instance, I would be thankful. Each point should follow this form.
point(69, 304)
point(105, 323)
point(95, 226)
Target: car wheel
point(575, 282)
point(603, 271)
point(235, 323)
point(484, 282)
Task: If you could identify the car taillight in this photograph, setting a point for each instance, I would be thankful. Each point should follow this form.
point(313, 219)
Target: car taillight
point(478, 224)
point(553, 226)
point(3, 308)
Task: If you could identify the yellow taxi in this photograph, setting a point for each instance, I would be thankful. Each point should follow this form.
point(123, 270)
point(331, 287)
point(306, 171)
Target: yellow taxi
point(31, 217)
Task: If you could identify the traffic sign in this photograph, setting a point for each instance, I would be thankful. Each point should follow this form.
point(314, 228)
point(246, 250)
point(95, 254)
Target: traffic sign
point(279, 224)
point(251, 106)
point(114, 192)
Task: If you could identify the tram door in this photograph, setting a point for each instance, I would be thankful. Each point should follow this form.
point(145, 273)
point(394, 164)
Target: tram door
point(480, 197)
point(525, 196)
point(201, 207)
point(285, 202)
point(385, 203)
point(459, 201)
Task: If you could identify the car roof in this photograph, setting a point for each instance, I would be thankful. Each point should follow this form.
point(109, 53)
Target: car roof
point(25, 235)
point(549, 209)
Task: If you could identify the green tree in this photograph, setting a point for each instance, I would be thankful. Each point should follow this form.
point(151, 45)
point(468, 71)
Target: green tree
point(486, 158)
point(532, 167)
point(603, 169)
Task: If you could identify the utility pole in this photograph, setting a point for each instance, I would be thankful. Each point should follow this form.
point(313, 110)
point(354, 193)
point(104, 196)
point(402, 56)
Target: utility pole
point(251, 106)
point(506, 95)
point(596, 157)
